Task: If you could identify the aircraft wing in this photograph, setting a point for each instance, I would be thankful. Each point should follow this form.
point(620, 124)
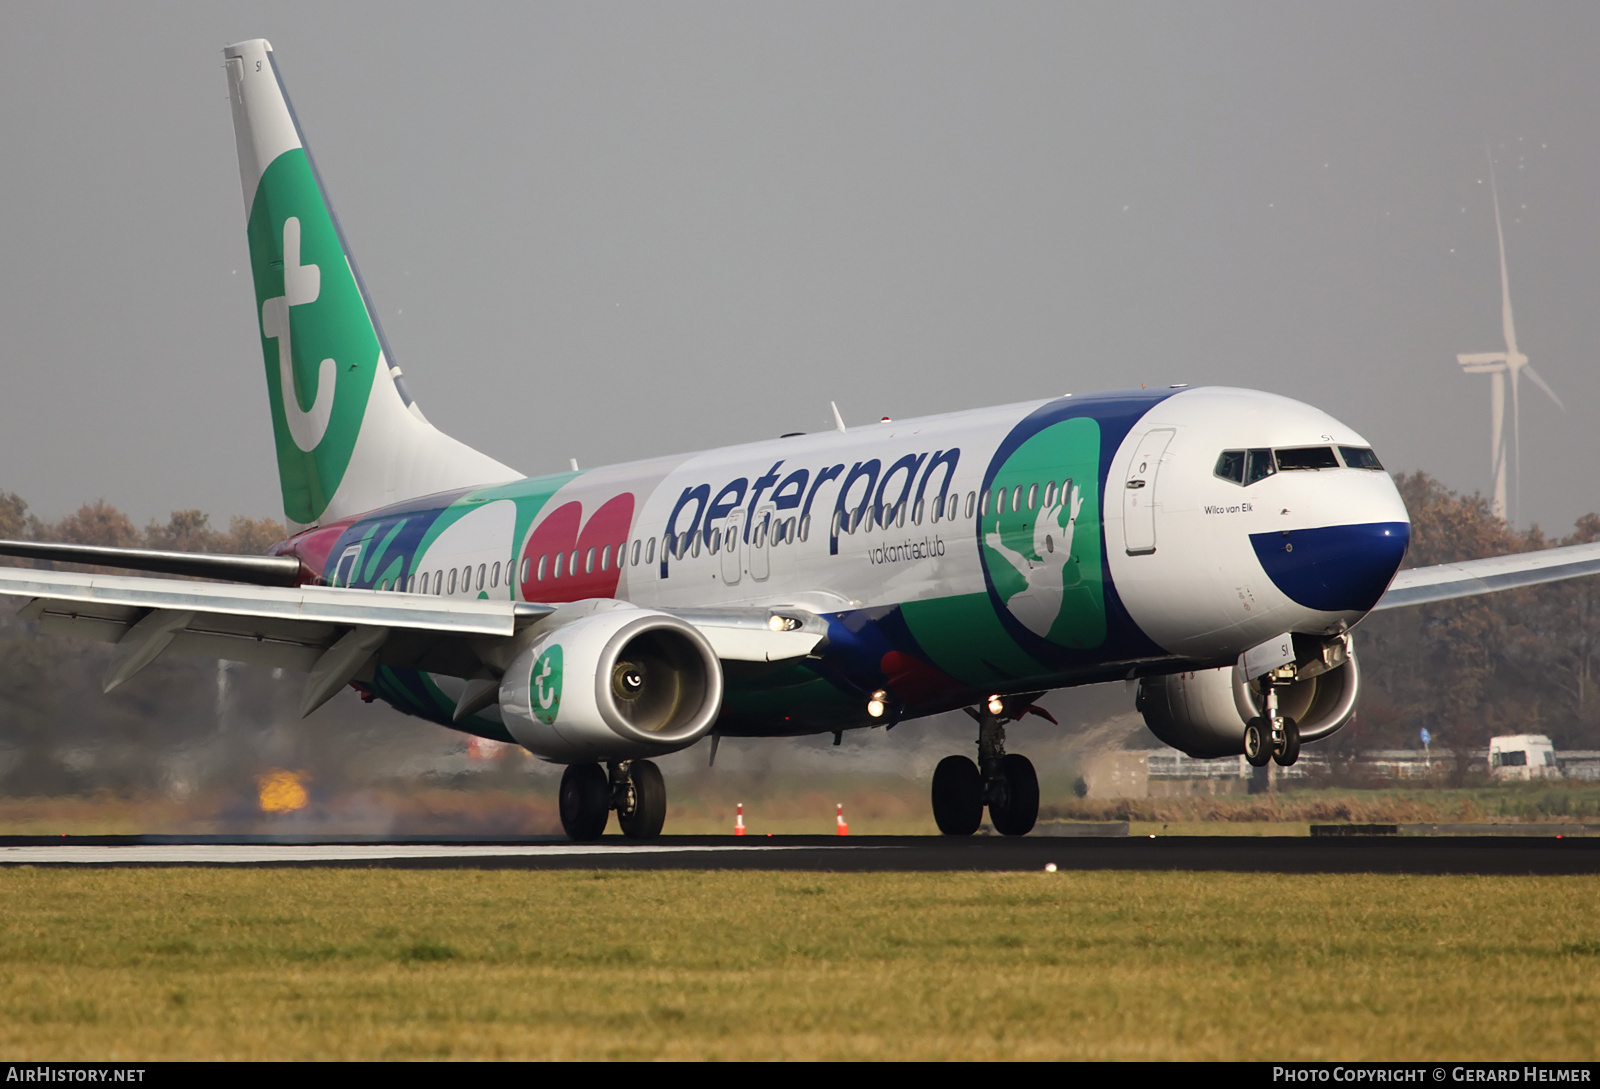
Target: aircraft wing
point(337, 635)
point(1444, 581)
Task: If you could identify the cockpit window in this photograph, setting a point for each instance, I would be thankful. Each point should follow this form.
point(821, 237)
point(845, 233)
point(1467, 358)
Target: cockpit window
point(1307, 457)
point(1359, 457)
point(1245, 466)
point(1258, 466)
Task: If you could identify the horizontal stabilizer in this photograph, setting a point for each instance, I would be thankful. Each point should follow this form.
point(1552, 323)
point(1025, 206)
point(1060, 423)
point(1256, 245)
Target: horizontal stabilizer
point(255, 570)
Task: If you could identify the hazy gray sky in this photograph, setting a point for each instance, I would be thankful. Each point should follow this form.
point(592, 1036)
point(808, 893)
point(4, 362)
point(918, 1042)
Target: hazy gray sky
point(606, 231)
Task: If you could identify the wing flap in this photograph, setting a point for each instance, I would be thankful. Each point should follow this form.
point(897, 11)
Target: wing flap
point(119, 596)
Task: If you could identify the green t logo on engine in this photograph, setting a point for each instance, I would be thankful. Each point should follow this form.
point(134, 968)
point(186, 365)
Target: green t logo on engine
point(546, 685)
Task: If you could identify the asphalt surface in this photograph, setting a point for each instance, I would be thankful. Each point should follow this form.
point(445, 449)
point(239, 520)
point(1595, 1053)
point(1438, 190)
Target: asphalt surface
point(855, 854)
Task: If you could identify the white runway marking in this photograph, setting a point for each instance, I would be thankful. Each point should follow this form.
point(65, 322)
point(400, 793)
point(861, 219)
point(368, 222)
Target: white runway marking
point(337, 852)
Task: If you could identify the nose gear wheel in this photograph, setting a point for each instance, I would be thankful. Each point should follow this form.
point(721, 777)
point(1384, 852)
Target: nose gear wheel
point(1287, 748)
point(1258, 742)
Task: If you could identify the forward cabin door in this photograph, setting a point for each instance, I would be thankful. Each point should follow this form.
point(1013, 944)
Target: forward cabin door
point(1139, 493)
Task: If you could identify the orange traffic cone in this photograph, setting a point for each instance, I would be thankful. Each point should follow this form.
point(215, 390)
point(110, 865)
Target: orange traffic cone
point(738, 821)
point(844, 829)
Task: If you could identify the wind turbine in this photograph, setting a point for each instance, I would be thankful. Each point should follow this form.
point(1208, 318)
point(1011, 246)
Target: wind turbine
point(1497, 365)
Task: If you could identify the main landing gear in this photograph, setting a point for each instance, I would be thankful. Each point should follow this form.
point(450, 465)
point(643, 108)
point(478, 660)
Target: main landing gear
point(634, 789)
point(1003, 781)
point(1271, 736)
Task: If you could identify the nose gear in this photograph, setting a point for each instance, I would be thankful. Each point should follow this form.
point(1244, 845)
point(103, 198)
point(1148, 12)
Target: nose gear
point(1271, 737)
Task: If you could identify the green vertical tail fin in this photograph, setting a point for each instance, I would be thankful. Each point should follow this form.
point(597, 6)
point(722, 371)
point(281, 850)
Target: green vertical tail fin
point(349, 438)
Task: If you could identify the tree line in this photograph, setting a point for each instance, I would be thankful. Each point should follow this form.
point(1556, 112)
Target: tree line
point(1521, 661)
point(99, 523)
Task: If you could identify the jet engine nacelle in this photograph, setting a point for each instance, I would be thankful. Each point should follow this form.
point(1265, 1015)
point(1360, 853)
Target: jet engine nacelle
point(618, 684)
point(1203, 713)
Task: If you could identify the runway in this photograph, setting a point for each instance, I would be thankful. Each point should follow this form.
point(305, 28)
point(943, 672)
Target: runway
point(856, 854)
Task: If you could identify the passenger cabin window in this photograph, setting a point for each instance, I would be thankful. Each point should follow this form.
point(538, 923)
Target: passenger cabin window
point(1359, 457)
point(1307, 457)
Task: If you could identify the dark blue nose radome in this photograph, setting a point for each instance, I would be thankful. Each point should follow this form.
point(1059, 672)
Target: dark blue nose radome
point(1334, 569)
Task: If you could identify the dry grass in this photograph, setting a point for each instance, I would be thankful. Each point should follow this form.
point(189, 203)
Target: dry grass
point(1558, 801)
point(339, 964)
point(420, 811)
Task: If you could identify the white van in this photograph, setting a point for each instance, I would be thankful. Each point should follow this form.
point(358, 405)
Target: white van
point(1523, 756)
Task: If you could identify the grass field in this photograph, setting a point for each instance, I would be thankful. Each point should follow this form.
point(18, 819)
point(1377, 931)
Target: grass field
point(277, 964)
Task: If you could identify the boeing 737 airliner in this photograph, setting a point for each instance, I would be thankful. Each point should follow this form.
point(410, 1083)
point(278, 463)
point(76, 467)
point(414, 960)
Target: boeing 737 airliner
point(1218, 546)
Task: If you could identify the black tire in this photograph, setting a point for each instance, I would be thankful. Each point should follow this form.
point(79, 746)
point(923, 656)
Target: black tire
point(957, 796)
point(649, 802)
point(1258, 742)
point(1021, 811)
point(585, 801)
point(1289, 752)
